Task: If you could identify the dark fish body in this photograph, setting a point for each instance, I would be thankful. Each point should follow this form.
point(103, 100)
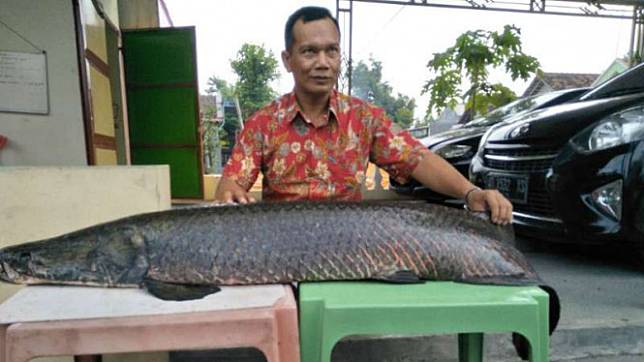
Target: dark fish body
point(185, 253)
point(276, 243)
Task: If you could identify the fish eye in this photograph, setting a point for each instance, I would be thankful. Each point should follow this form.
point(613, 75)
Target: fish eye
point(24, 256)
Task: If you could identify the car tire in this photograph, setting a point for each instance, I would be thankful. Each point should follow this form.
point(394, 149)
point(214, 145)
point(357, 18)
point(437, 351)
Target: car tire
point(639, 225)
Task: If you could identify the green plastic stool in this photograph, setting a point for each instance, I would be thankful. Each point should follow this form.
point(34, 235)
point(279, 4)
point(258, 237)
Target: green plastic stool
point(330, 311)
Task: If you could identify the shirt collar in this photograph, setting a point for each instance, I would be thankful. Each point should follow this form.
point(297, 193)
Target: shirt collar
point(291, 108)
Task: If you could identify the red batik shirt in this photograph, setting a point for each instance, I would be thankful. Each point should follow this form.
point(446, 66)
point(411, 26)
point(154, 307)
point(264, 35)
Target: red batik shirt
point(302, 162)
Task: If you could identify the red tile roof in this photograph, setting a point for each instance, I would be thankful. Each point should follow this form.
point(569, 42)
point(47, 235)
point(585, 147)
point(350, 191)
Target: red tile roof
point(558, 81)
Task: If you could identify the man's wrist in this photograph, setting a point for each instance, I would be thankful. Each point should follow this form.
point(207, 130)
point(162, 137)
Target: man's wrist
point(468, 194)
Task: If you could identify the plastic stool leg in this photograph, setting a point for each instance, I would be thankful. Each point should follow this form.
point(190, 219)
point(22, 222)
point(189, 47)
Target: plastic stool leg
point(311, 331)
point(538, 336)
point(470, 347)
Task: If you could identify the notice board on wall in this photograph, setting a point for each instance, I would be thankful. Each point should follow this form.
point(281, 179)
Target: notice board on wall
point(23, 82)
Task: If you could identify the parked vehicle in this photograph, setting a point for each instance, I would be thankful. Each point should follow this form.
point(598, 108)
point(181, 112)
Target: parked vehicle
point(419, 132)
point(574, 172)
point(459, 144)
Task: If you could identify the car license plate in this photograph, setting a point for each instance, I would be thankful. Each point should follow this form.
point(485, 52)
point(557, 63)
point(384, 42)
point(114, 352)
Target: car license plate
point(514, 187)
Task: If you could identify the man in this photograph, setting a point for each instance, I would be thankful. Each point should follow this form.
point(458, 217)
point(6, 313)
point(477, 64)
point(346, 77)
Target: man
point(315, 143)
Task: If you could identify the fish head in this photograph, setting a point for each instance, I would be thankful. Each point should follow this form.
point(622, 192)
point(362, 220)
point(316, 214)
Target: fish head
point(104, 256)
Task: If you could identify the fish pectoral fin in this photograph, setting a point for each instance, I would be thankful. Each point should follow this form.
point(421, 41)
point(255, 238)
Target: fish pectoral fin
point(401, 277)
point(178, 292)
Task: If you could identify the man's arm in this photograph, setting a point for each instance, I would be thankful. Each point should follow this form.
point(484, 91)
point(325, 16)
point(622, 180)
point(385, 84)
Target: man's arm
point(437, 174)
point(229, 191)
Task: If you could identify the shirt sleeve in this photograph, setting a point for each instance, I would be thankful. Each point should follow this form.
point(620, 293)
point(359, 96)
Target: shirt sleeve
point(394, 149)
point(245, 161)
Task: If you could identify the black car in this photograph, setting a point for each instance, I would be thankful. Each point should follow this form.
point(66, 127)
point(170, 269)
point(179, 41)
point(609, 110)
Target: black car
point(574, 172)
point(459, 144)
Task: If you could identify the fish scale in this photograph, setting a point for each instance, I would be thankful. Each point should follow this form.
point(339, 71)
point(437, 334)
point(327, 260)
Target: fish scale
point(331, 239)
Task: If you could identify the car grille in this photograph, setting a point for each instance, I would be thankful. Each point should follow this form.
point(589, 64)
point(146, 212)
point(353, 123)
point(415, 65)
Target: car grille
point(534, 161)
point(539, 202)
point(519, 159)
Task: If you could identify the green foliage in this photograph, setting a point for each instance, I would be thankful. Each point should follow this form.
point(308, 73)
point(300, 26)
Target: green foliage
point(367, 83)
point(216, 135)
point(492, 98)
point(255, 67)
point(228, 92)
point(219, 85)
point(470, 58)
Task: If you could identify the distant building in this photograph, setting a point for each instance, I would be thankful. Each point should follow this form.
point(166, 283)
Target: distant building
point(548, 82)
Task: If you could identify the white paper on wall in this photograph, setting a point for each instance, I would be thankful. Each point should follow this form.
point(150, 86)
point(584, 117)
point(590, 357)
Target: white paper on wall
point(23, 82)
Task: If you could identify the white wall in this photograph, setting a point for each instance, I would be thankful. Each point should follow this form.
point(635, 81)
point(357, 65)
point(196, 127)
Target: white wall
point(57, 138)
point(41, 202)
point(111, 8)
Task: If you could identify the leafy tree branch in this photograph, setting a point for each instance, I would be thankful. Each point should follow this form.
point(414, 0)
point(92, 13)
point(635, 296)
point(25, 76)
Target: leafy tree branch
point(470, 59)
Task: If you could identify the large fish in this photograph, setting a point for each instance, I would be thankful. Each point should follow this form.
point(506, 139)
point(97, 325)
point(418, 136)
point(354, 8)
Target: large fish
point(186, 253)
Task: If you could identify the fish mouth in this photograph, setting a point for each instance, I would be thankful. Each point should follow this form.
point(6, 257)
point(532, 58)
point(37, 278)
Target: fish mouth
point(7, 274)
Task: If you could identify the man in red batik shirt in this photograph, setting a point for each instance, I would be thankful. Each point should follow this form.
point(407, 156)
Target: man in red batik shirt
point(315, 143)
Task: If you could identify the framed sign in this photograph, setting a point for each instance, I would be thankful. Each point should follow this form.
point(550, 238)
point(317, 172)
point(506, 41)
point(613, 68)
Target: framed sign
point(23, 82)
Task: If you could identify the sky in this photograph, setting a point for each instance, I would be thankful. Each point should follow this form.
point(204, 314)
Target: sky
point(403, 38)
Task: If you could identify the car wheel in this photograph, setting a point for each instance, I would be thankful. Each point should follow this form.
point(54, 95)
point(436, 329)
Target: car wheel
point(639, 225)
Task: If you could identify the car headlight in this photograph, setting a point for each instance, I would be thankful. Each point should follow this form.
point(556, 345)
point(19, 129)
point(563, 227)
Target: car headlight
point(617, 129)
point(453, 150)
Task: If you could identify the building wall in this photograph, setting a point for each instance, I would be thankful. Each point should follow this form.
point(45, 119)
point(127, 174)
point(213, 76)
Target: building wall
point(111, 8)
point(42, 202)
point(138, 14)
point(57, 138)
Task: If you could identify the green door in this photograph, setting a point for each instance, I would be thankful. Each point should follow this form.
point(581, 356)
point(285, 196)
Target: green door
point(163, 104)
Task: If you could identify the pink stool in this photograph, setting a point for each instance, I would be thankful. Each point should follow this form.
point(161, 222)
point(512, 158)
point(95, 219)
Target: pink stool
point(272, 329)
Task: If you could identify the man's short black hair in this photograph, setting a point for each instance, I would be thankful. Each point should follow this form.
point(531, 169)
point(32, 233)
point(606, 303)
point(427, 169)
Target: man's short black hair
point(307, 13)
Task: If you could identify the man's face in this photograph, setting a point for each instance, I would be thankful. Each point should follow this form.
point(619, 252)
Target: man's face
point(314, 57)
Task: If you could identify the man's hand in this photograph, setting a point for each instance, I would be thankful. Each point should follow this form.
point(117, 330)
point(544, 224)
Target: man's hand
point(228, 191)
point(500, 207)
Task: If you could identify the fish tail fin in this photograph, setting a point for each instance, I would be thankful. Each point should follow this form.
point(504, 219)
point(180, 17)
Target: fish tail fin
point(521, 344)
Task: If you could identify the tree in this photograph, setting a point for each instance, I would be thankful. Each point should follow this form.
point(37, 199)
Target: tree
point(214, 135)
point(255, 68)
point(367, 83)
point(469, 59)
point(219, 85)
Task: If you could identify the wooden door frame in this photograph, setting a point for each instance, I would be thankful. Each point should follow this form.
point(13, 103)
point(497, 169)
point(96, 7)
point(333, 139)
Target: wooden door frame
point(92, 139)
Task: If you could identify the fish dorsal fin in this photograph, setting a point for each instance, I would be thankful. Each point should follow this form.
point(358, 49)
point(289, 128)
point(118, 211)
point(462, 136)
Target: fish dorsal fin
point(178, 292)
point(400, 277)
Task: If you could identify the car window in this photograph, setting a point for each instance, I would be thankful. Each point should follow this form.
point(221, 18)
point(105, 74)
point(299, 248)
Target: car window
point(512, 109)
point(629, 82)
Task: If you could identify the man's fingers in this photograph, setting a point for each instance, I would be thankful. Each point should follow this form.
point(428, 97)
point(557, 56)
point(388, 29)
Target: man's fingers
point(227, 197)
point(493, 206)
point(501, 208)
point(244, 198)
point(508, 212)
point(240, 197)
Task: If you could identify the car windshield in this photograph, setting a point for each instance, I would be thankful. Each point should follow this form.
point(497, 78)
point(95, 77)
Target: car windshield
point(629, 82)
point(511, 109)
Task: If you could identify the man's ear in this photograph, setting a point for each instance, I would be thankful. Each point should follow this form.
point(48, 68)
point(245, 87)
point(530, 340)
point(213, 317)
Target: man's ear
point(286, 57)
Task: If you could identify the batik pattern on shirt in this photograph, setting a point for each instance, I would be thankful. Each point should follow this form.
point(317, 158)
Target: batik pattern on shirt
point(302, 162)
